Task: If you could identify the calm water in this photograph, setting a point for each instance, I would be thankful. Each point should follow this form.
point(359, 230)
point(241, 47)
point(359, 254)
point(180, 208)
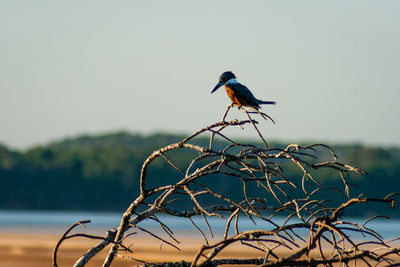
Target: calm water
point(58, 222)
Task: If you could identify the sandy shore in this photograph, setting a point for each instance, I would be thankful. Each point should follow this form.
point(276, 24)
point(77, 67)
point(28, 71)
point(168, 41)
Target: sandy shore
point(35, 250)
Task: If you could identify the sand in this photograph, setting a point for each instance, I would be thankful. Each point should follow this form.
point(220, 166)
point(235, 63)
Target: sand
point(35, 250)
point(30, 249)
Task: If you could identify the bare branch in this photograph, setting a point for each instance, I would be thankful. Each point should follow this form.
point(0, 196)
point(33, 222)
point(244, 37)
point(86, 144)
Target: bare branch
point(303, 220)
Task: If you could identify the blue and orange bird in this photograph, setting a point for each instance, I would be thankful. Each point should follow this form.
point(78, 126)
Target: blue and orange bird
point(238, 93)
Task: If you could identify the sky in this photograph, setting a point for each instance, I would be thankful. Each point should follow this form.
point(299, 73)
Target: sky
point(89, 67)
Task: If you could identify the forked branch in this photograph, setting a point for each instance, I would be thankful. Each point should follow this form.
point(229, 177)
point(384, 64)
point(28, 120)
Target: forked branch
point(300, 219)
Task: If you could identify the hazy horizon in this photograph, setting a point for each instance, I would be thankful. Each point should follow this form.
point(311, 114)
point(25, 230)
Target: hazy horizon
point(71, 68)
point(234, 137)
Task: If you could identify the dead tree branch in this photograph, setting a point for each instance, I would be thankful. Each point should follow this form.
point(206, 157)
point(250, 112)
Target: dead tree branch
point(312, 233)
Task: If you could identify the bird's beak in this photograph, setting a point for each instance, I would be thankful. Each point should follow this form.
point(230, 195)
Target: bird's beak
point(217, 86)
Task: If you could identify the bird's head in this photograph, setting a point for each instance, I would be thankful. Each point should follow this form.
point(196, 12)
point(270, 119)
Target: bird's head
point(226, 76)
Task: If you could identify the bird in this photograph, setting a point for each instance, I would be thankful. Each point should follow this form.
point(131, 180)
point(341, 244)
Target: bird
point(238, 93)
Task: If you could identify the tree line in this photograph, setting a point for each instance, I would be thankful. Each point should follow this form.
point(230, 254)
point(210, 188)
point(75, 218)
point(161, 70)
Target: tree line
point(101, 173)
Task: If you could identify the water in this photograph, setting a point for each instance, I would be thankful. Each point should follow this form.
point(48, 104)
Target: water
point(58, 222)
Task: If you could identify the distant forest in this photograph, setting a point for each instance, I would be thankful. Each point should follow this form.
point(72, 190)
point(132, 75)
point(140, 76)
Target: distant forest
point(101, 172)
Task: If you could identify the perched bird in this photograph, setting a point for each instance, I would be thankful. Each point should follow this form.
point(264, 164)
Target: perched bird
point(237, 92)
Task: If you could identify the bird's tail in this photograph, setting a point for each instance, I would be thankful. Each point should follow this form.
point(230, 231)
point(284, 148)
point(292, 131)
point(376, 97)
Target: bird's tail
point(266, 102)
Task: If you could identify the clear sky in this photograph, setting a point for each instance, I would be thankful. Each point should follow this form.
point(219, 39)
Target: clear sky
point(74, 67)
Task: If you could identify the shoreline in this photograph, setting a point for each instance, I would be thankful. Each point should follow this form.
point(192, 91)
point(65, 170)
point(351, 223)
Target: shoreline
point(31, 248)
point(35, 249)
point(22, 246)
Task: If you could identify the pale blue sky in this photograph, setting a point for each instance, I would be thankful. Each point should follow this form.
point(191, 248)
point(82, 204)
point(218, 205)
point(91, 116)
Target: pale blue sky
point(73, 67)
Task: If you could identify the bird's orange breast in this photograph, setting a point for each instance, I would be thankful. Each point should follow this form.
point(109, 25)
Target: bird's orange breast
point(233, 97)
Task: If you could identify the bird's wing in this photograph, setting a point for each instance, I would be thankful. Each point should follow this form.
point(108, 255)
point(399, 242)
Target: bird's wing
point(244, 94)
